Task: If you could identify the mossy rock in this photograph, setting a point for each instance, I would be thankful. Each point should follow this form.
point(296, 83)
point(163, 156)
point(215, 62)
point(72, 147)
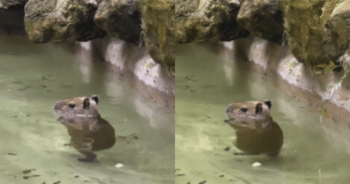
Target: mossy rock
point(262, 18)
point(120, 19)
point(55, 20)
point(202, 20)
point(158, 22)
point(317, 31)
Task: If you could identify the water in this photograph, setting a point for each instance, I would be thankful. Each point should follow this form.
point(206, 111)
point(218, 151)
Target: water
point(206, 83)
point(32, 78)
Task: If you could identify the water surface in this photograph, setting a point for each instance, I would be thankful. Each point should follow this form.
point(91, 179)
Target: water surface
point(32, 78)
point(206, 83)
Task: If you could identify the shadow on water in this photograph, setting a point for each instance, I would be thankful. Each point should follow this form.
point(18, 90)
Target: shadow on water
point(36, 147)
point(206, 82)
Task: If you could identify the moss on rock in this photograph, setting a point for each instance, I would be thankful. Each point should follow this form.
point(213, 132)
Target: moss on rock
point(202, 20)
point(61, 20)
point(317, 31)
point(158, 26)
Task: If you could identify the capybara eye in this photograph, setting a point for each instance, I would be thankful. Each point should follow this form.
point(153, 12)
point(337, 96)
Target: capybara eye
point(244, 109)
point(259, 108)
point(71, 105)
point(86, 103)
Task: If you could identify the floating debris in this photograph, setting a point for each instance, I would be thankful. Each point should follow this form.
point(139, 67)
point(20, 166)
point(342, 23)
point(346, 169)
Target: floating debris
point(11, 153)
point(44, 78)
point(181, 175)
point(27, 177)
point(67, 86)
point(256, 164)
point(227, 149)
point(119, 165)
point(190, 79)
point(27, 171)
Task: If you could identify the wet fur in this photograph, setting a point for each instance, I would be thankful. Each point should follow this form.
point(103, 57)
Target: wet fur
point(89, 132)
point(256, 131)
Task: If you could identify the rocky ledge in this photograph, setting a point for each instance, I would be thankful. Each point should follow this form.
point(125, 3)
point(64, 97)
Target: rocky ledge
point(141, 22)
point(317, 32)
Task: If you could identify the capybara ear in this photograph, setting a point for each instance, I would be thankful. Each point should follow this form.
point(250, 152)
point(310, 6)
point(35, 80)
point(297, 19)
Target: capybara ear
point(268, 103)
point(95, 98)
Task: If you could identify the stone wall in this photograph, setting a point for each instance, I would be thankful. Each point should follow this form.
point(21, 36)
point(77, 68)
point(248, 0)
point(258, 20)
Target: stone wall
point(317, 32)
point(133, 21)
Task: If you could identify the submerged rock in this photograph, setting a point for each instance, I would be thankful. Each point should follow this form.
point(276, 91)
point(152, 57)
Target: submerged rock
point(57, 20)
point(317, 31)
point(262, 18)
point(158, 22)
point(119, 18)
point(202, 20)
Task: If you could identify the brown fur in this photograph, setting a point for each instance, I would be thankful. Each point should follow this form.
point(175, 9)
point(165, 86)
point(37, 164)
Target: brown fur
point(256, 132)
point(89, 132)
point(78, 107)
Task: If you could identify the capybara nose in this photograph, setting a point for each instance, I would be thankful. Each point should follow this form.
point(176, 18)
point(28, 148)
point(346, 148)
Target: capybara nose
point(229, 109)
point(57, 106)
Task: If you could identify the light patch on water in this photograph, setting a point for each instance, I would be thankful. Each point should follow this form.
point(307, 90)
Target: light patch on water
point(228, 45)
point(113, 87)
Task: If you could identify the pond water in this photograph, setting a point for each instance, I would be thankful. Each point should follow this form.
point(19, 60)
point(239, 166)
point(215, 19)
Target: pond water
point(35, 147)
point(206, 82)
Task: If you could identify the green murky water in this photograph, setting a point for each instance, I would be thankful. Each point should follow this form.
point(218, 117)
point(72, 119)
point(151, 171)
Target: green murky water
point(205, 84)
point(32, 78)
